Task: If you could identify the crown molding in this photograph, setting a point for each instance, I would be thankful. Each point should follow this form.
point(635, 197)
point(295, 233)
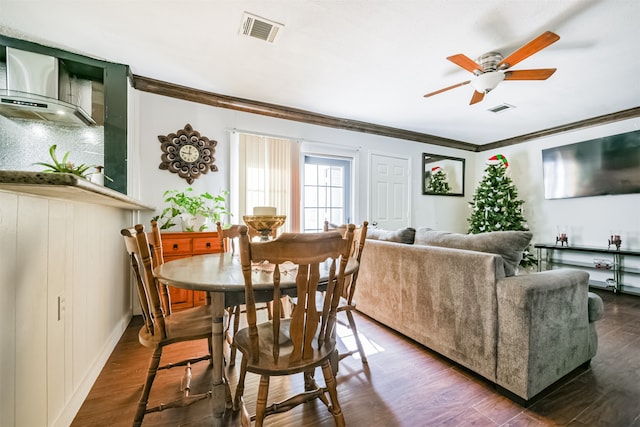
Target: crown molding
point(159, 87)
point(594, 121)
point(287, 113)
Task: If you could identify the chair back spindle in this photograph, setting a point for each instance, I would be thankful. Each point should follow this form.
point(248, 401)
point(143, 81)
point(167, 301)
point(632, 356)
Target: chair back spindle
point(157, 255)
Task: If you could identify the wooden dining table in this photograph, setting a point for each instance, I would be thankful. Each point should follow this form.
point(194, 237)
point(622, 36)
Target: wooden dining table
point(221, 276)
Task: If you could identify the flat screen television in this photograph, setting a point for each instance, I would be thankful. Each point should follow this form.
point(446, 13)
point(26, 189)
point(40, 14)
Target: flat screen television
point(609, 165)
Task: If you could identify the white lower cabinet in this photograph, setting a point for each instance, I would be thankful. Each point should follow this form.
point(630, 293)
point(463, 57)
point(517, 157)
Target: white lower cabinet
point(65, 299)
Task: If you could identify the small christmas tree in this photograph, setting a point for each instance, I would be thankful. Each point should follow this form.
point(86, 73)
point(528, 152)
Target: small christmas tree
point(438, 181)
point(496, 206)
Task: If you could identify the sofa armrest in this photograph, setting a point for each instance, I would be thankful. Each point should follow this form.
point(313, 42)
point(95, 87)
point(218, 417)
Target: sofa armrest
point(543, 329)
point(596, 307)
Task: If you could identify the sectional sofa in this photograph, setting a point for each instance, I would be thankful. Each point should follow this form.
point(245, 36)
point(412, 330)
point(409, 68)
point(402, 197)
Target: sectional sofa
point(460, 296)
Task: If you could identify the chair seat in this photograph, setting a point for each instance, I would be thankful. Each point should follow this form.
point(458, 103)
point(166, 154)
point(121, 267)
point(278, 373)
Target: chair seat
point(185, 325)
point(283, 366)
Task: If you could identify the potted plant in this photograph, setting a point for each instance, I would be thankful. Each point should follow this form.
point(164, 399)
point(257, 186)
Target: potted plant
point(195, 211)
point(217, 208)
point(64, 166)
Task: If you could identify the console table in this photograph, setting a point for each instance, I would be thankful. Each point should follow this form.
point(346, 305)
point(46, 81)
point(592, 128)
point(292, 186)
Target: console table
point(616, 266)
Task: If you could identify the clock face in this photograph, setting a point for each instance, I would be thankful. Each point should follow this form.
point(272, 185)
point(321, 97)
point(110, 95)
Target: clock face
point(189, 153)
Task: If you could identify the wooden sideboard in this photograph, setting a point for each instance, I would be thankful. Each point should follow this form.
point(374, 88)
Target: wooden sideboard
point(185, 244)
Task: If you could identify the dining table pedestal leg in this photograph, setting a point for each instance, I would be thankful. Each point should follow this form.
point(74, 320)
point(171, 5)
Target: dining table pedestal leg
point(221, 393)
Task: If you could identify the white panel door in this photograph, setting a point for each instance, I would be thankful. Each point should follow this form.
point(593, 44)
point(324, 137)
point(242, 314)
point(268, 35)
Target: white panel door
point(390, 190)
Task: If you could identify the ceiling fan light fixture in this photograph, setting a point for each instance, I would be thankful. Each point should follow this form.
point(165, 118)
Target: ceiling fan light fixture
point(486, 82)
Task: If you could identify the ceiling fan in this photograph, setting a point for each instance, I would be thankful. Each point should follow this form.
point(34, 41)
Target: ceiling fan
point(491, 68)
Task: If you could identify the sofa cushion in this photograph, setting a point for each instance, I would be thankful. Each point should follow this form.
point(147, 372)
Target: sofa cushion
point(508, 244)
point(401, 235)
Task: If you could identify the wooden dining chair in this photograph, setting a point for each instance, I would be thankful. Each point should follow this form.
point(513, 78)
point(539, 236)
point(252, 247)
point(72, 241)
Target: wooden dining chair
point(347, 303)
point(305, 340)
point(228, 237)
point(161, 329)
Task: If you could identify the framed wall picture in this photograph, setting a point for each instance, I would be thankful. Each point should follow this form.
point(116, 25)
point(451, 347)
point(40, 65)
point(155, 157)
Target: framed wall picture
point(442, 175)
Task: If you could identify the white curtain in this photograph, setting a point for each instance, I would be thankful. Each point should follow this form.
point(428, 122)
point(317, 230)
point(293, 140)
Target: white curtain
point(268, 176)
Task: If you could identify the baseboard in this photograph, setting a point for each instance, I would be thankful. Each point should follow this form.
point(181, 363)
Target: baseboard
point(77, 399)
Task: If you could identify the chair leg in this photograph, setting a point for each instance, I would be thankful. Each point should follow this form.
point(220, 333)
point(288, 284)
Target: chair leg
point(236, 326)
point(228, 315)
point(283, 304)
point(261, 401)
point(146, 389)
point(240, 387)
point(354, 330)
point(269, 310)
point(330, 383)
point(210, 345)
point(309, 381)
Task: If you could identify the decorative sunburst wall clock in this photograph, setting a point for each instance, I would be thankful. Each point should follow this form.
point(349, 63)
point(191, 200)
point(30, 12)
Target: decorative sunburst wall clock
point(187, 153)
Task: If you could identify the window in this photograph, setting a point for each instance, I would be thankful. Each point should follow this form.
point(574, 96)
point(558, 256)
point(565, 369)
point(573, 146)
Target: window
point(268, 173)
point(327, 192)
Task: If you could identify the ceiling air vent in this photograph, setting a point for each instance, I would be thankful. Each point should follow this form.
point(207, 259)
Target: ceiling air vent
point(501, 108)
point(260, 28)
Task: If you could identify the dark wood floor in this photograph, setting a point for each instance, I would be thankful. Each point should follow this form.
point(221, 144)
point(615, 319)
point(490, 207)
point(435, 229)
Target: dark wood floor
point(404, 385)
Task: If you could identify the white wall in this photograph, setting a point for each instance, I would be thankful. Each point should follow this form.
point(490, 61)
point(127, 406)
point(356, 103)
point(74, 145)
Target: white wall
point(589, 220)
point(159, 115)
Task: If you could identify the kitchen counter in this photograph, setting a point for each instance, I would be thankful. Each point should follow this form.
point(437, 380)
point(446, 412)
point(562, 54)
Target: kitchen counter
point(66, 186)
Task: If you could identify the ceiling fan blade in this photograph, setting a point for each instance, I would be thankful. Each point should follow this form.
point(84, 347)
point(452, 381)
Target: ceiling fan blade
point(535, 45)
point(477, 97)
point(465, 62)
point(447, 88)
point(539, 74)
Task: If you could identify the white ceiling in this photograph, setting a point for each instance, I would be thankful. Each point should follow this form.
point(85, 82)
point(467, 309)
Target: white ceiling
point(365, 60)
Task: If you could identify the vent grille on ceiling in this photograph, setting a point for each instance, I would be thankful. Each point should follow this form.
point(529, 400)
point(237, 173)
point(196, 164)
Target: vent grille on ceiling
point(260, 28)
point(501, 108)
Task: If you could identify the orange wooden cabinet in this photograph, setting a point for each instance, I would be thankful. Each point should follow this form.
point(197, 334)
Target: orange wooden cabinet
point(184, 244)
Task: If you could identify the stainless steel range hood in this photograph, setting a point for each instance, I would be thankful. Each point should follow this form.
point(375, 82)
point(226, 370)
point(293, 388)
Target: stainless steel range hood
point(33, 90)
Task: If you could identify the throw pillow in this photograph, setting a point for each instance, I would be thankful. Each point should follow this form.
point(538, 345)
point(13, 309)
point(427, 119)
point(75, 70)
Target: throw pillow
point(508, 244)
point(401, 235)
point(420, 235)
